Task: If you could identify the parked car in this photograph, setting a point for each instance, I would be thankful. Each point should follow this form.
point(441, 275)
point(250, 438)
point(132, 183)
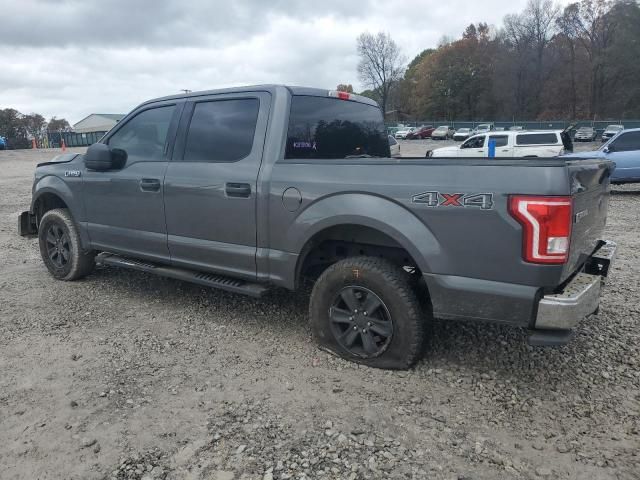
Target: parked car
point(611, 131)
point(246, 189)
point(483, 128)
point(545, 143)
point(394, 147)
point(403, 132)
point(3, 143)
point(624, 150)
point(462, 134)
point(585, 134)
point(443, 132)
point(421, 133)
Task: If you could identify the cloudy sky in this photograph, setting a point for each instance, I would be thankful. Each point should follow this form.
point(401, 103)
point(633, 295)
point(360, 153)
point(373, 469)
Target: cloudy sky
point(70, 58)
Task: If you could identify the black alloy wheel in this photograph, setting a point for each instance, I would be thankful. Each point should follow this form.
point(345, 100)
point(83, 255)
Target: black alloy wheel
point(361, 322)
point(58, 245)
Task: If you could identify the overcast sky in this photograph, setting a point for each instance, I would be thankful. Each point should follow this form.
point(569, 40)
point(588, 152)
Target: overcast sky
point(75, 57)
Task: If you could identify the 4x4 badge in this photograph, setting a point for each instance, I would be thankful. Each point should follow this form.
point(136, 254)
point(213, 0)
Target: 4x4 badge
point(483, 201)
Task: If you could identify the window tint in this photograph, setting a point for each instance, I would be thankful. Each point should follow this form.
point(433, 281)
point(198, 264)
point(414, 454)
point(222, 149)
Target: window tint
point(501, 140)
point(627, 142)
point(474, 142)
point(537, 139)
point(222, 130)
point(145, 135)
point(329, 128)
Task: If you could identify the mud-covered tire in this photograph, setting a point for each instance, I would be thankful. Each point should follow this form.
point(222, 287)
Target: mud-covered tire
point(377, 281)
point(60, 246)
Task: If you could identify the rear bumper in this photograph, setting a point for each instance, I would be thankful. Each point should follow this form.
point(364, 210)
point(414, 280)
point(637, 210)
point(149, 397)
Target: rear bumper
point(580, 297)
point(27, 225)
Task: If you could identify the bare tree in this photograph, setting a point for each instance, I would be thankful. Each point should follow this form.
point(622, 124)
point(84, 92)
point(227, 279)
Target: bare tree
point(381, 64)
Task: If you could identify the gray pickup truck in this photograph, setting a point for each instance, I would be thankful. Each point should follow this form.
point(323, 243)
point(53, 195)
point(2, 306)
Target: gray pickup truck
point(251, 188)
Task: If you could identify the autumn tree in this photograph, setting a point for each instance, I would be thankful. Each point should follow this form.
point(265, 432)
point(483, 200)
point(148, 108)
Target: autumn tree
point(345, 87)
point(381, 64)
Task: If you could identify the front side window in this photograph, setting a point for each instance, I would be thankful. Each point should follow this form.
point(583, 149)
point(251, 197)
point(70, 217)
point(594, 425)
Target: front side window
point(144, 136)
point(501, 140)
point(329, 128)
point(474, 142)
point(626, 142)
point(222, 130)
point(537, 139)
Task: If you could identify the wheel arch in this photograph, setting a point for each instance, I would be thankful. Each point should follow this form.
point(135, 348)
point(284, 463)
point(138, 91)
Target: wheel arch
point(387, 223)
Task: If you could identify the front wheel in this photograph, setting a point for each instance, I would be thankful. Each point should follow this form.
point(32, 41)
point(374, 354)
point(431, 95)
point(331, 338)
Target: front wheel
point(60, 246)
point(365, 310)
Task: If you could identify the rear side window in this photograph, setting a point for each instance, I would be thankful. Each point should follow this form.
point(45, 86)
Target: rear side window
point(501, 140)
point(329, 128)
point(537, 139)
point(222, 130)
point(627, 142)
point(144, 136)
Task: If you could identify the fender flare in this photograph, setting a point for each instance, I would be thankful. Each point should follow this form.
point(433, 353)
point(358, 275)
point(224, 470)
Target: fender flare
point(367, 210)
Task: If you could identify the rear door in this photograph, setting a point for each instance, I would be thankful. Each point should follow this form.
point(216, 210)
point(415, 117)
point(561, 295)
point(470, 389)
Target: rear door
point(503, 149)
point(210, 185)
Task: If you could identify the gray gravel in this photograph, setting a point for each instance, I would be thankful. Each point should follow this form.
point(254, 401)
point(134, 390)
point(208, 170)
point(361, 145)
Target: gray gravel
point(128, 376)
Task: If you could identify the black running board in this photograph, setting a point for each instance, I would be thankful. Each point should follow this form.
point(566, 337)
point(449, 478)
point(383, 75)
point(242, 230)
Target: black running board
point(201, 278)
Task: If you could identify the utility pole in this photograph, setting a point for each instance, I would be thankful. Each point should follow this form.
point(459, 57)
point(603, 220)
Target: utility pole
point(185, 90)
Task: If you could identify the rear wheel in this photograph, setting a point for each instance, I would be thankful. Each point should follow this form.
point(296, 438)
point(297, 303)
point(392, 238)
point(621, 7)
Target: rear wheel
point(365, 310)
point(60, 246)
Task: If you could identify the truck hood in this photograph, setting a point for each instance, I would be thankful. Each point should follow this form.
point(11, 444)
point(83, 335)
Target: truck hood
point(451, 151)
point(63, 158)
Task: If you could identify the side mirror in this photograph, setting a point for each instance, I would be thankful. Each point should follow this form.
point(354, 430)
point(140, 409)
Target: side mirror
point(101, 158)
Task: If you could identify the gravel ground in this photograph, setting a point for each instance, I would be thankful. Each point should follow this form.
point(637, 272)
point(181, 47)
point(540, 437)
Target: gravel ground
point(129, 376)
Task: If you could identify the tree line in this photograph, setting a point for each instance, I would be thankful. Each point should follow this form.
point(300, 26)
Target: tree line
point(18, 129)
point(547, 62)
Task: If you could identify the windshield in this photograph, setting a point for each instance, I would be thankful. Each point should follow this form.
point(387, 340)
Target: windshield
point(585, 129)
point(463, 130)
point(614, 128)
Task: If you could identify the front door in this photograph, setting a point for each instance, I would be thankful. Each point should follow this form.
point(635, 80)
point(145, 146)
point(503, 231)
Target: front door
point(211, 184)
point(473, 147)
point(124, 208)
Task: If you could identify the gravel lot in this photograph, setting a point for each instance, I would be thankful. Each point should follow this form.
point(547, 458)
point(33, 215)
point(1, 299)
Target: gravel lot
point(124, 375)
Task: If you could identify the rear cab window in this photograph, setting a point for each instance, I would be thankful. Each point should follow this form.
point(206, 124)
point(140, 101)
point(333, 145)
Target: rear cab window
point(330, 128)
point(550, 138)
point(501, 140)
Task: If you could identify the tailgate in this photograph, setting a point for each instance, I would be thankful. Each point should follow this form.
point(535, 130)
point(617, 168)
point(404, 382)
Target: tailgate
point(589, 182)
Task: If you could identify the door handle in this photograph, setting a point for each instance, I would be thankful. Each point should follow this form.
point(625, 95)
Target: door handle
point(241, 190)
point(150, 185)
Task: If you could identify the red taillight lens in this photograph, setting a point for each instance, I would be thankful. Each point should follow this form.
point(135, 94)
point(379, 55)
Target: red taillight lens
point(546, 223)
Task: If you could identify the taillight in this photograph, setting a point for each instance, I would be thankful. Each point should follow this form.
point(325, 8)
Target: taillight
point(546, 223)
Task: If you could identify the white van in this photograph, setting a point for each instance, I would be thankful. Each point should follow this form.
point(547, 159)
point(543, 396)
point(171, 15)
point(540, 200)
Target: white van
point(546, 143)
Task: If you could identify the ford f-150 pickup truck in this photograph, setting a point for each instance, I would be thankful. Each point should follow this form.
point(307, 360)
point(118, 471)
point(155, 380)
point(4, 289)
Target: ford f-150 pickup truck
point(246, 189)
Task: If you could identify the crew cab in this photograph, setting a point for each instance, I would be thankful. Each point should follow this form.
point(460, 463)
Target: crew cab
point(544, 143)
point(250, 189)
